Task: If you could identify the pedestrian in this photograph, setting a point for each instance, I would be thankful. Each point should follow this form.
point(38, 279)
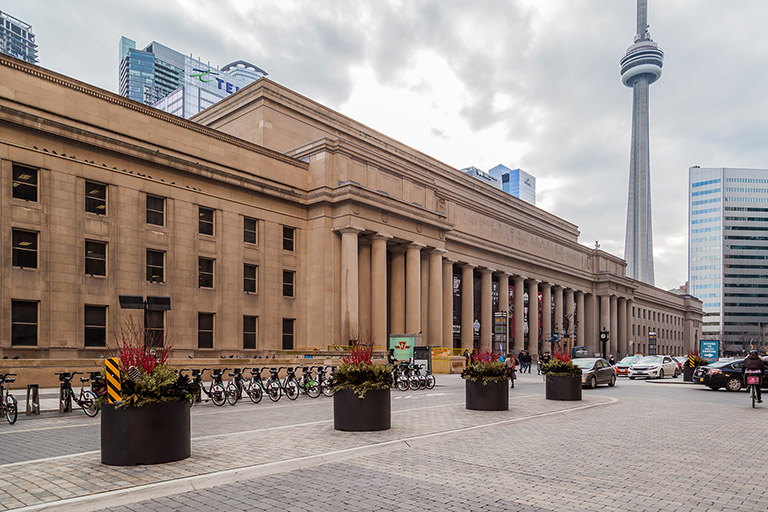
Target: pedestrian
point(611, 360)
point(528, 361)
point(521, 360)
point(391, 357)
point(510, 365)
point(466, 358)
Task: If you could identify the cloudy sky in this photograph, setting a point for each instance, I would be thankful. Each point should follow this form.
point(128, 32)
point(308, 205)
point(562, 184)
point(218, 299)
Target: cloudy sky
point(528, 83)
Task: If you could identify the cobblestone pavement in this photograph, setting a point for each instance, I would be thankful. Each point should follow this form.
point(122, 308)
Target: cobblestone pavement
point(654, 448)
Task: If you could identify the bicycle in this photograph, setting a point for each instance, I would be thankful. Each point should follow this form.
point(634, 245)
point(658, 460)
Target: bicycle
point(235, 386)
point(290, 386)
point(325, 381)
point(425, 381)
point(271, 388)
point(8, 403)
point(753, 381)
point(307, 384)
point(215, 391)
point(403, 378)
point(87, 400)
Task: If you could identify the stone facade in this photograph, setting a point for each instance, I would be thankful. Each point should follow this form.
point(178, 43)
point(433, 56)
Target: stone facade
point(356, 235)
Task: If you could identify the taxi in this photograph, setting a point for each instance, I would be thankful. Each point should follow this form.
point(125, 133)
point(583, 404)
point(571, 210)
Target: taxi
point(622, 367)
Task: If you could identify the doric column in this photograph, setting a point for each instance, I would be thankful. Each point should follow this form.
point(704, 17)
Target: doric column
point(424, 298)
point(558, 327)
point(467, 307)
point(605, 321)
point(546, 316)
point(379, 290)
point(364, 288)
point(349, 285)
point(590, 319)
point(413, 288)
point(436, 298)
point(503, 307)
point(614, 326)
point(580, 331)
point(568, 312)
point(519, 282)
point(486, 309)
point(622, 313)
point(631, 339)
point(447, 303)
point(397, 291)
point(533, 317)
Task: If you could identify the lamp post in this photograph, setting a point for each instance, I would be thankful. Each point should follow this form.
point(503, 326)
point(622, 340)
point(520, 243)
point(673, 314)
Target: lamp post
point(151, 305)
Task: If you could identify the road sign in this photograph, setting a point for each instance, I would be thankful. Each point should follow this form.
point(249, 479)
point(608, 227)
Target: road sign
point(709, 350)
point(113, 379)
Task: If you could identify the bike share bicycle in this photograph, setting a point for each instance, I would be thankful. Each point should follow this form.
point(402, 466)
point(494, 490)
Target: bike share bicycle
point(87, 399)
point(9, 405)
point(307, 384)
point(276, 388)
point(325, 380)
point(215, 391)
point(752, 378)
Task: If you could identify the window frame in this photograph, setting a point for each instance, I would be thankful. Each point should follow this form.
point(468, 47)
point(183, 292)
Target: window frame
point(154, 211)
point(289, 286)
point(254, 232)
point(289, 336)
point(205, 333)
point(154, 266)
point(91, 199)
point(202, 210)
point(96, 260)
point(19, 324)
point(254, 333)
point(154, 330)
point(18, 184)
point(201, 273)
point(93, 327)
point(289, 242)
point(18, 250)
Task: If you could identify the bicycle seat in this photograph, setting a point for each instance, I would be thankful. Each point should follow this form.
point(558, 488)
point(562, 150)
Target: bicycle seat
point(9, 379)
point(84, 379)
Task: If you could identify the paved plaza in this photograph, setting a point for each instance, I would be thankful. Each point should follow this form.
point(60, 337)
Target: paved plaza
point(641, 446)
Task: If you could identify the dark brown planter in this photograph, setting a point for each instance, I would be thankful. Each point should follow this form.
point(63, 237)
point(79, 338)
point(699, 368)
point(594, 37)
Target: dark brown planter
point(352, 414)
point(563, 387)
point(151, 434)
point(688, 373)
point(493, 396)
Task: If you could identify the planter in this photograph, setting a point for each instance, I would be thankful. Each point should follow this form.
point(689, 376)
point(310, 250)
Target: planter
point(151, 434)
point(352, 414)
point(688, 373)
point(493, 396)
point(563, 387)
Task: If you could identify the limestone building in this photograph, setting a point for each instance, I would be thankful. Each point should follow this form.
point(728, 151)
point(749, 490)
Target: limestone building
point(273, 222)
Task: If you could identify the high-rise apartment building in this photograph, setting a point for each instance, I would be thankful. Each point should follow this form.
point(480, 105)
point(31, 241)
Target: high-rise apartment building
point(17, 39)
point(728, 253)
point(516, 182)
point(177, 83)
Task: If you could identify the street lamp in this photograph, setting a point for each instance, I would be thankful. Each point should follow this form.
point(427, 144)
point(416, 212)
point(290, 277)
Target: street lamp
point(151, 305)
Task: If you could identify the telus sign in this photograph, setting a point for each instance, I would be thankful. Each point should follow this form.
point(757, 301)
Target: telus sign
point(206, 75)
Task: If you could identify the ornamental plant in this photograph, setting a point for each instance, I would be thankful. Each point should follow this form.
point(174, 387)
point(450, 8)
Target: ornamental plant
point(697, 361)
point(358, 373)
point(485, 367)
point(561, 366)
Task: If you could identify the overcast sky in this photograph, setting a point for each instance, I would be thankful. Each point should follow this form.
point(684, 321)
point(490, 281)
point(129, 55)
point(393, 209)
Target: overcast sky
point(527, 83)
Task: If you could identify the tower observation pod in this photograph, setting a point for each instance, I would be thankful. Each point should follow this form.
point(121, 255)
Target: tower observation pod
point(640, 67)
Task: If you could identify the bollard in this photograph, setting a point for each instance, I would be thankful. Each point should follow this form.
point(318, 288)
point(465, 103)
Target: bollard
point(112, 364)
point(33, 399)
point(65, 400)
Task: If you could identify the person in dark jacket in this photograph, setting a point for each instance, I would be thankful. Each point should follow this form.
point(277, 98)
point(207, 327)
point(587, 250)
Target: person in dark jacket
point(528, 360)
point(391, 356)
point(753, 362)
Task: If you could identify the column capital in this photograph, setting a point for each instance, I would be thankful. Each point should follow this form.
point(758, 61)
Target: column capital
point(415, 245)
point(349, 229)
point(380, 236)
point(517, 278)
point(546, 285)
point(485, 270)
point(558, 287)
point(533, 281)
point(436, 250)
point(466, 265)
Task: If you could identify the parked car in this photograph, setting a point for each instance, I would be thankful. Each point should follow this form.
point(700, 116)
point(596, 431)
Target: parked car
point(622, 367)
point(680, 360)
point(654, 366)
point(595, 370)
point(723, 374)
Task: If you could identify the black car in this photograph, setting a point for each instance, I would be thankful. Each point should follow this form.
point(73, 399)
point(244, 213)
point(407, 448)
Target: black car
point(725, 374)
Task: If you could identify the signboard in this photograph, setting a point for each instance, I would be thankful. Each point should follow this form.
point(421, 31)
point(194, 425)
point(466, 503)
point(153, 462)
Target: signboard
point(709, 350)
point(423, 355)
point(500, 331)
point(403, 345)
point(652, 344)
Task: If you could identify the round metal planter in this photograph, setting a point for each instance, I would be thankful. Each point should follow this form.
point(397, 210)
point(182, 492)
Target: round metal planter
point(152, 434)
point(563, 387)
point(688, 373)
point(493, 396)
point(352, 414)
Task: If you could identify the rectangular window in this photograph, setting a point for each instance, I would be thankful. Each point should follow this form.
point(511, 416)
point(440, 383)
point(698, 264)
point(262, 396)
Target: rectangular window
point(24, 323)
point(95, 326)
point(24, 183)
point(205, 272)
point(95, 258)
point(250, 278)
point(288, 238)
point(155, 210)
point(205, 330)
point(250, 231)
point(288, 324)
point(24, 249)
point(95, 198)
point(250, 331)
point(155, 266)
point(205, 221)
point(288, 283)
point(154, 328)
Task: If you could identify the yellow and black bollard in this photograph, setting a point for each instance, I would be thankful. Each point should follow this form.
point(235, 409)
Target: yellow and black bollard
point(113, 380)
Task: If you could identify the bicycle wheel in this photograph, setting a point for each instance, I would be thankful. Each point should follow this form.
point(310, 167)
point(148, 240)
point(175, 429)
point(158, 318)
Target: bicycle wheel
point(402, 383)
point(325, 387)
point(292, 390)
point(11, 409)
point(753, 394)
point(218, 395)
point(90, 404)
point(274, 391)
point(413, 383)
point(422, 382)
point(254, 393)
point(431, 381)
point(232, 393)
point(313, 389)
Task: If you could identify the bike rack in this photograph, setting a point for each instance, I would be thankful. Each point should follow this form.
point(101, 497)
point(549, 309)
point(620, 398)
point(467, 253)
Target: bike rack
point(33, 399)
point(65, 399)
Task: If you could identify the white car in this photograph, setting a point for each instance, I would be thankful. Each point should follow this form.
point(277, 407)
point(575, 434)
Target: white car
point(654, 366)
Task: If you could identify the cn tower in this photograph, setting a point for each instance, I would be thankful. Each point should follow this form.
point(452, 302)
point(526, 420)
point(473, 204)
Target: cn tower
point(640, 67)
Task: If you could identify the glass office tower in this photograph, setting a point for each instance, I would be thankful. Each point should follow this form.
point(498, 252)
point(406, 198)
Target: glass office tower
point(17, 39)
point(728, 254)
point(516, 182)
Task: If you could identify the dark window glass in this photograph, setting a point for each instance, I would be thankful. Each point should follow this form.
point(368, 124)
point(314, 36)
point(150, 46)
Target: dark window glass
point(288, 238)
point(24, 183)
point(154, 328)
point(250, 235)
point(95, 198)
point(250, 276)
point(156, 210)
point(95, 258)
point(249, 331)
point(205, 272)
point(155, 266)
point(205, 222)
point(288, 278)
point(24, 249)
point(205, 330)
point(288, 333)
point(95, 326)
point(24, 322)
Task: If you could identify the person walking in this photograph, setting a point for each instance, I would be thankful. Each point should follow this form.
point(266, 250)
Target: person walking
point(510, 364)
point(528, 361)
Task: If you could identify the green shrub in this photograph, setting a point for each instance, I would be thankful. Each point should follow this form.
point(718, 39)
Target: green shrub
point(362, 377)
point(485, 372)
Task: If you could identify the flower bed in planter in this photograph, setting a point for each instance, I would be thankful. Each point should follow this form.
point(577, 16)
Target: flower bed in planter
point(493, 396)
point(353, 414)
